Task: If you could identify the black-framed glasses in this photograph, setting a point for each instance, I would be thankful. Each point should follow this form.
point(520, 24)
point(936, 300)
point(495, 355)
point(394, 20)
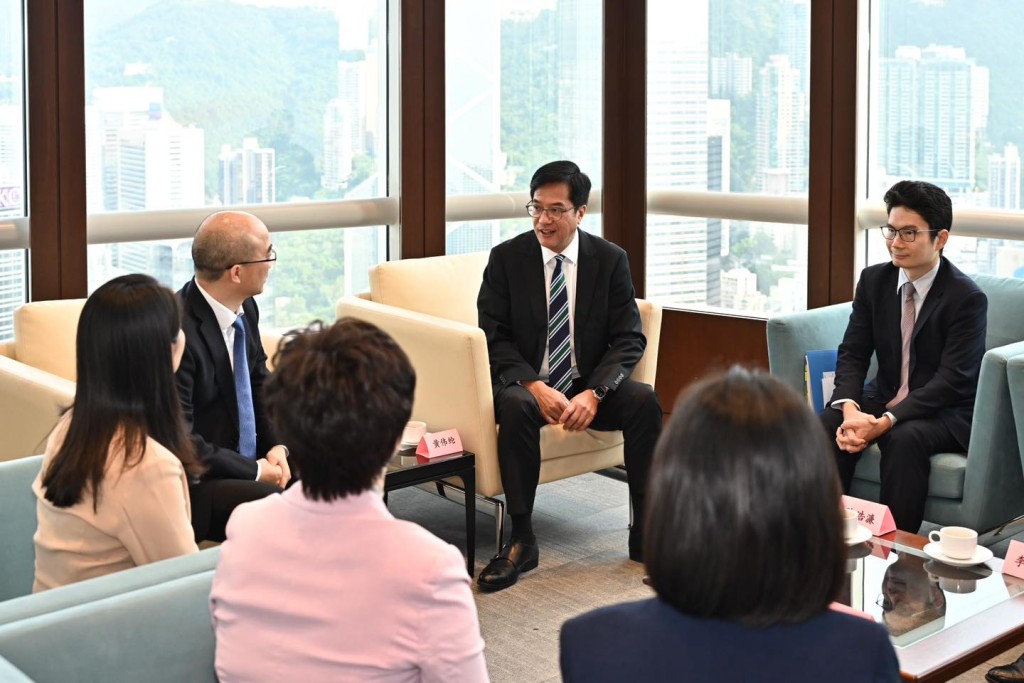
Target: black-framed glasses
point(270, 259)
point(906, 234)
point(553, 212)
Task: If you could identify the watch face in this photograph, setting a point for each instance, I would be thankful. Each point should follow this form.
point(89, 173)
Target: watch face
point(600, 393)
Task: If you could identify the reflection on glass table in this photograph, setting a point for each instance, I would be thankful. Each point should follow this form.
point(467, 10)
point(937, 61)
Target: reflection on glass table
point(916, 597)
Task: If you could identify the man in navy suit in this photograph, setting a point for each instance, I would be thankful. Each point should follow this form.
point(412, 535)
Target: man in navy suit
point(925, 322)
point(233, 254)
point(563, 335)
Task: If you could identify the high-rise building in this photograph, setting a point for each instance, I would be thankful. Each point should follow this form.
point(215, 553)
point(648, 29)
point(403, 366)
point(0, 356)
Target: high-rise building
point(1004, 178)
point(580, 51)
point(338, 148)
point(781, 128)
point(934, 101)
point(160, 166)
point(719, 152)
point(473, 103)
point(12, 160)
point(794, 39)
point(247, 174)
point(677, 154)
point(731, 76)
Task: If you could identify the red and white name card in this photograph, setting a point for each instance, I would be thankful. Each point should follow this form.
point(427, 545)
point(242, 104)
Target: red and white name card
point(1014, 562)
point(440, 443)
point(875, 516)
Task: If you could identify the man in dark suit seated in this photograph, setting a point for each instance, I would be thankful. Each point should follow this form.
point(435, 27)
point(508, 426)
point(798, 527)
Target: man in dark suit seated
point(221, 376)
point(925, 321)
point(563, 335)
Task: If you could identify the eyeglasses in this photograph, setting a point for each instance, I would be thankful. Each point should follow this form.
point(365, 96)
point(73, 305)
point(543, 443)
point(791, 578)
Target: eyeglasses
point(553, 212)
point(906, 234)
point(269, 259)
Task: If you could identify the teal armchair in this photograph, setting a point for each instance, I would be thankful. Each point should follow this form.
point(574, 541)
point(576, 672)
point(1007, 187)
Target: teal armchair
point(980, 489)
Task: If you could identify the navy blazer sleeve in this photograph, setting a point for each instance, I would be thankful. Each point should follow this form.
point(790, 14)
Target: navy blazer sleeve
point(625, 341)
point(494, 308)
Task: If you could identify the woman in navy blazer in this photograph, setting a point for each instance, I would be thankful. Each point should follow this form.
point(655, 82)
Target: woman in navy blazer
point(744, 546)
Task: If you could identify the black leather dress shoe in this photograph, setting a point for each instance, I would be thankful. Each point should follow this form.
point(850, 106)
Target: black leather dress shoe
point(1007, 673)
point(636, 544)
point(503, 570)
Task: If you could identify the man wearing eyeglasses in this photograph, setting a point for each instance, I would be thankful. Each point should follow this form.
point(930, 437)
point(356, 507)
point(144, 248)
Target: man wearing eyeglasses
point(925, 321)
point(563, 335)
point(221, 375)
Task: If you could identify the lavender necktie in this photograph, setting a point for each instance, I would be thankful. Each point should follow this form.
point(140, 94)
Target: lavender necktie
point(907, 321)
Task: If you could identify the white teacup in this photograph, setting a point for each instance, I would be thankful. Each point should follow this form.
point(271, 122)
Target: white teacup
point(957, 542)
point(413, 432)
point(849, 523)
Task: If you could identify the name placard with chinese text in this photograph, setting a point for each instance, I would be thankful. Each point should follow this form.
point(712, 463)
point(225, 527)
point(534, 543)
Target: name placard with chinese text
point(440, 443)
point(875, 516)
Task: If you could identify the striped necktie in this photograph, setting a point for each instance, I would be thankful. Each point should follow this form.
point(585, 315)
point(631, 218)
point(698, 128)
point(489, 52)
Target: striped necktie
point(907, 321)
point(243, 394)
point(559, 349)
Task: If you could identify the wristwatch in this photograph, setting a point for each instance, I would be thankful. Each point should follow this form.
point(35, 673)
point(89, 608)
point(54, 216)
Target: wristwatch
point(600, 393)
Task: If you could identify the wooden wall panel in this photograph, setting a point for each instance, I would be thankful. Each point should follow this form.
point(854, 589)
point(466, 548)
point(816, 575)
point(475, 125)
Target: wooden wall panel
point(693, 344)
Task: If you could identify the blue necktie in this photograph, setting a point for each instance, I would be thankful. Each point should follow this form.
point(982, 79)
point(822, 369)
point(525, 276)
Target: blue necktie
point(559, 349)
point(243, 393)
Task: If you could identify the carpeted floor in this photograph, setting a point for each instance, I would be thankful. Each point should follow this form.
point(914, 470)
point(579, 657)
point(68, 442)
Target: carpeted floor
point(581, 524)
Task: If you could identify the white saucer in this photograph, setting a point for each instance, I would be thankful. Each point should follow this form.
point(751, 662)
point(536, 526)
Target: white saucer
point(414, 444)
point(981, 554)
point(862, 534)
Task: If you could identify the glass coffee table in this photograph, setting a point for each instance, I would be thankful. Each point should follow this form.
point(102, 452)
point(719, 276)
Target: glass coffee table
point(408, 469)
point(943, 620)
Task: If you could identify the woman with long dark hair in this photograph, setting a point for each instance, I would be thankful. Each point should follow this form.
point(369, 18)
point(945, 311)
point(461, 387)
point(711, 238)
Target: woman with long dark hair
point(112, 491)
point(744, 547)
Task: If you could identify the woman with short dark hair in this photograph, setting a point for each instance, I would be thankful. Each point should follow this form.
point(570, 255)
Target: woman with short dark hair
point(112, 490)
point(321, 583)
point(744, 547)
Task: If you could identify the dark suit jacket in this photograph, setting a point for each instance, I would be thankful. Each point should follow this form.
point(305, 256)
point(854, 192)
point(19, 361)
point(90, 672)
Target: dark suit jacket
point(607, 335)
point(206, 387)
point(652, 641)
point(946, 349)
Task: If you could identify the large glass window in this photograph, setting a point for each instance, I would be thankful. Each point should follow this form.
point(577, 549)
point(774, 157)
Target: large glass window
point(247, 102)
point(945, 85)
point(523, 87)
point(13, 284)
point(727, 111)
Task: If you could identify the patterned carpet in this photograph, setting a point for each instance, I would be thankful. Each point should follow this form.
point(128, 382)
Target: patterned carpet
point(581, 524)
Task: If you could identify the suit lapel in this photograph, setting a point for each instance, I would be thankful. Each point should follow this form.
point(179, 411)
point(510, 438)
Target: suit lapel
point(533, 275)
point(586, 282)
point(213, 339)
point(934, 298)
point(892, 313)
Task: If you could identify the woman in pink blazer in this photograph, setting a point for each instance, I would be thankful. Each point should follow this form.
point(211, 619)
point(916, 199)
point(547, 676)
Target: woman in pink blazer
point(321, 583)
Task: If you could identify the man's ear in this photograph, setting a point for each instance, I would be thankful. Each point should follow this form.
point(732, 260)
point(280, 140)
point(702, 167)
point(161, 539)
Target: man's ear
point(235, 274)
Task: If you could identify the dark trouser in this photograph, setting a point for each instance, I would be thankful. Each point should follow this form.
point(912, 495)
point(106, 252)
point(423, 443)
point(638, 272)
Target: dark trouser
point(906, 461)
point(633, 408)
point(213, 501)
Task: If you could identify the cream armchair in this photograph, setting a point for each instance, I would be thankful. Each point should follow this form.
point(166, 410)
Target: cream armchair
point(37, 373)
point(429, 306)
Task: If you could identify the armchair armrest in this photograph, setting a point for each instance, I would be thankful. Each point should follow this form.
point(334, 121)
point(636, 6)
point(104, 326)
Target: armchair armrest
point(993, 480)
point(791, 336)
point(453, 379)
point(31, 401)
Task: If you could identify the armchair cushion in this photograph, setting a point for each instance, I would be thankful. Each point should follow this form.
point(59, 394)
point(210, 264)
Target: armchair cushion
point(44, 335)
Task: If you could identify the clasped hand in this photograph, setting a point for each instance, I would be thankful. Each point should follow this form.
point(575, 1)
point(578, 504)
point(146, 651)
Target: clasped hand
point(574, 414)
point(859, 429)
